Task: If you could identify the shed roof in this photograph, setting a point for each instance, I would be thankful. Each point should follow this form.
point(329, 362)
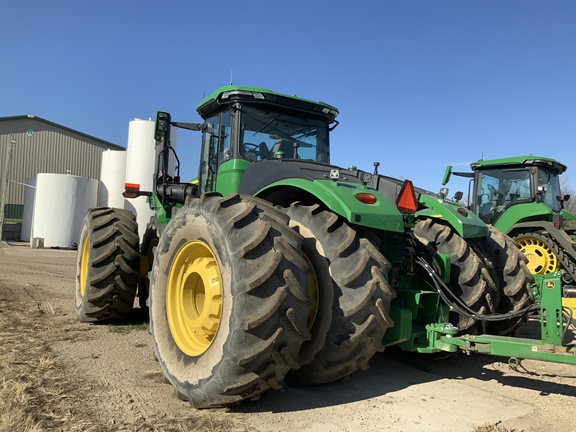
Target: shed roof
point(32, 116)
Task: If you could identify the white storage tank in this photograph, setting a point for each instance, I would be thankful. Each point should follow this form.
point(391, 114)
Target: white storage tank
point(29, 196)
point(141, 157)
point(112, 176)
point(61, 202)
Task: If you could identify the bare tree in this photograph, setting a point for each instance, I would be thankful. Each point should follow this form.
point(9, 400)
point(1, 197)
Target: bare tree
point(569, 204)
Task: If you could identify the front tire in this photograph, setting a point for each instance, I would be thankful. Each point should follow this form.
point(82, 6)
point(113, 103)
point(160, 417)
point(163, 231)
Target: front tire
point(470, 279)
point(108, 265)
point(228, 302)
point(353, 296)
point(515, 279)
point(149, 243)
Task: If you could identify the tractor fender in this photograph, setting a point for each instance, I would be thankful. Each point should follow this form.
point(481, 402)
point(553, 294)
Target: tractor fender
point(467, 224)
point(284, 181)
point(512, 216)
point(338, 197)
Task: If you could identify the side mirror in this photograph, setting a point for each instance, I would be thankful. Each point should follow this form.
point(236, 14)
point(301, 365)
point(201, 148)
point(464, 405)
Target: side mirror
point(447, 175)
point(162, 126)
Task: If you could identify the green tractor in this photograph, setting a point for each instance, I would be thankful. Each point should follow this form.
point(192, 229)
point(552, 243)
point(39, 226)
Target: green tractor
point(274, 266)
point(521, 196)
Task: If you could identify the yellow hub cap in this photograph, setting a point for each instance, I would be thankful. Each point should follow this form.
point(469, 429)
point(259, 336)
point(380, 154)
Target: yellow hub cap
point(541, 259)
point(194, 298)
point(84, 258)
point(312, 292)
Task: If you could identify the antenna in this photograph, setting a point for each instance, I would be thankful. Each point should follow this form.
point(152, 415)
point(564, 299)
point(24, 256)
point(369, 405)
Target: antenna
point(231, 72)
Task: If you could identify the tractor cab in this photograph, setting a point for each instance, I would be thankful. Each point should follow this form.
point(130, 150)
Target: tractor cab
point(244, 125)
point(499, 184)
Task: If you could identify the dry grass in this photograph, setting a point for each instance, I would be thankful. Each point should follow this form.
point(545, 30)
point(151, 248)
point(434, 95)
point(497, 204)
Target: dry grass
point(34, 389)
point(488, 427)
point(38, 394)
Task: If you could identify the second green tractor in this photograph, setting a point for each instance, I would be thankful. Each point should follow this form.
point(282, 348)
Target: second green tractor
point(521, 197)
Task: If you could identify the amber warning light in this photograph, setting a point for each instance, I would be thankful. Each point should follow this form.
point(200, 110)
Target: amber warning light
point(365, 198)
point(132, 190)
point(406, 201)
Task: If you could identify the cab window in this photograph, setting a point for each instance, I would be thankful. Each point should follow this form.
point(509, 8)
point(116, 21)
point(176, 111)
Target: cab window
point(215, 149)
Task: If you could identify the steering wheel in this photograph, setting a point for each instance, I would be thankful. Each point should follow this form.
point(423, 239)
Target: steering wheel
point(249, 147)
point(496, 197)
point(492, 190)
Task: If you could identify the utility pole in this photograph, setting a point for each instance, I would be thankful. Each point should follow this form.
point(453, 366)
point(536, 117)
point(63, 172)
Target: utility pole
point(5, 183)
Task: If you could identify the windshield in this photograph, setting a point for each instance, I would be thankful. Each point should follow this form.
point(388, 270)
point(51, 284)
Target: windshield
point(264, 133)
point(549, 184)
point(496, 189)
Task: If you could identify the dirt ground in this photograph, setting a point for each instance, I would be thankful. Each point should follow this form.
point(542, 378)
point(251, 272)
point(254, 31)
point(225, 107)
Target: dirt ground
point(59, 374)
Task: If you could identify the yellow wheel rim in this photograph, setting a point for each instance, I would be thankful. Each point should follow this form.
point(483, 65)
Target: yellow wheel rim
point(541, 259)
point(314, 293)
point(84, 258)
point(194, 298)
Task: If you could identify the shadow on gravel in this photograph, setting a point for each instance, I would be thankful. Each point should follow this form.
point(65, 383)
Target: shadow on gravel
point(384, 376)
point(529, 374)
point(137, 319)
point(534, 375)
point(395, 370)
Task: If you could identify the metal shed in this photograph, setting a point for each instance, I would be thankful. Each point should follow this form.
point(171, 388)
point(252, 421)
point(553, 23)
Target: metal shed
point(41, 146)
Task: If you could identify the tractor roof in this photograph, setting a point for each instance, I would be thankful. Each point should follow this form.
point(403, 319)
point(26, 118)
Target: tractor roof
point(518, 162)
point(232, 94)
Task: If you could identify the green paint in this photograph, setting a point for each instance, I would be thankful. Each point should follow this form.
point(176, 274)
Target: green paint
point(469, 226)
point(338, 196)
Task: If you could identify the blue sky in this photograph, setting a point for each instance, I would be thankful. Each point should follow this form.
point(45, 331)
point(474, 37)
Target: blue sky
point(419, 83)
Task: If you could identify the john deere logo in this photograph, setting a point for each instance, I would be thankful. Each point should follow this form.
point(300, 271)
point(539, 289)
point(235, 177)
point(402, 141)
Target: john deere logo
point(550, 284)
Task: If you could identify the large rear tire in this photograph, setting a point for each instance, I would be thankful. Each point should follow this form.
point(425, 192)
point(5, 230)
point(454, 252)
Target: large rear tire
point(149, 243)
point(515, 279)
point(353, 296)
point(470, 280)
point(108, 265)
point(228, 300)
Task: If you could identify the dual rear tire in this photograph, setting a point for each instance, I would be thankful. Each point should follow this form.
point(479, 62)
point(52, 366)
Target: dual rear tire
point(515, 280)
point(353, 296)
point(488, 273)
point(228, 300)
point(108, 265)
point(470, 280)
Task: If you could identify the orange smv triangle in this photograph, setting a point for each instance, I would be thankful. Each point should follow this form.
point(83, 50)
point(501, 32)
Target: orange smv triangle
point(406, 201)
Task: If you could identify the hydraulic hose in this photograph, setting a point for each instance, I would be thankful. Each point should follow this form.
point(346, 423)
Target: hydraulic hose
point(458, 305)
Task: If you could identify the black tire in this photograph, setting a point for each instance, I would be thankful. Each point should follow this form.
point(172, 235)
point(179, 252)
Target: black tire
point(108, 265)
point(240, 250)
point(354, 296)
point(514, 276)
point(149, 243)
point(470, 279)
